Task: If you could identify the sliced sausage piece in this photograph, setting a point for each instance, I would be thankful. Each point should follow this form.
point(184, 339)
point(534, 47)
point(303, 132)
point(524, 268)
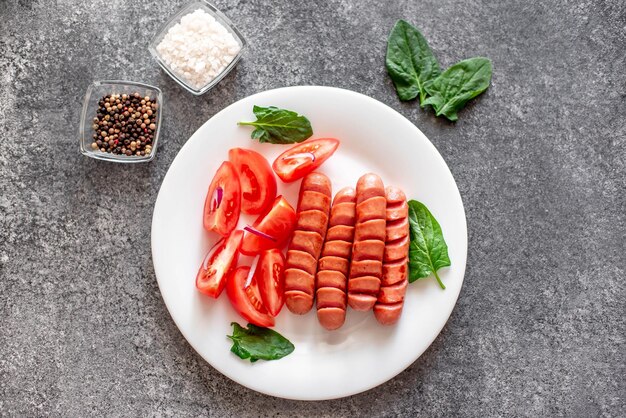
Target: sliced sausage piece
point(394, 293)
point(397, 250)
point(360, 301)
point(300, 260)
point(331, 318)
point(369, 185)
point(331, 297)
point(316, 182)
point(313, 200)
point(338, 248)
point(331, 278)
point(368, 249)
point(394, 272)
point(298, 302)
point(312, 220)
point(340, 232)
point(388, 314)
point(334, 263)
point(364, 284)
point(329, 262)
point(369, 243)
point(396, 229)
point(306, 244)
point(371, 208)
point(344, 213)
point(366, 268)
point(373, 229)
point(395, 266)
point(395, 196)
point(397, 211)
point(300, 280)
point(306, 241)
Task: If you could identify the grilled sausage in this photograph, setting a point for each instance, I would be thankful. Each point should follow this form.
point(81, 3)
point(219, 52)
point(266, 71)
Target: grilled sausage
point(306, 243)
point(368, 250)
point(394, 283)
point(333, 267)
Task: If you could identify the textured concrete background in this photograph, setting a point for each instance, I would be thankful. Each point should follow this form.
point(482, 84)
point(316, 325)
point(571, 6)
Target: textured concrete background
point(540, 161)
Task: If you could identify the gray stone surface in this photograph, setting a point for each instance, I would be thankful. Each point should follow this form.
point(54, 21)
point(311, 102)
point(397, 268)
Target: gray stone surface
point(539, 159)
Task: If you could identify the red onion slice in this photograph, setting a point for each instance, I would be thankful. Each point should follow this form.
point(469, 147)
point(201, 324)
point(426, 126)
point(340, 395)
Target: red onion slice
point(211, 253)
point(300, 155)
point(217, 197)
point(252, 271)
point(259, 233)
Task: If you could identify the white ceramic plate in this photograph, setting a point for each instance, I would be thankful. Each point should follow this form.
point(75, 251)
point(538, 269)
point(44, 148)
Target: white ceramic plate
point(325, 364)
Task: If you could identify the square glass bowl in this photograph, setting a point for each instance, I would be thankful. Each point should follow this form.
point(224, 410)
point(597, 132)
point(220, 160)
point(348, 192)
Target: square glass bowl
point(175, 19)
point(95, 92)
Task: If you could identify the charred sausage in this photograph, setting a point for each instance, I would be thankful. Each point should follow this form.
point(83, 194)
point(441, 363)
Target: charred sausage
point(394, 283)
point(306, 244)
point(368, 250)
point(333, 267)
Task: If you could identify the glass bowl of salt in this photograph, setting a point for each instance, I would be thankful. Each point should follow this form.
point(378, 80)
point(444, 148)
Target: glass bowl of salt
point(198, 46)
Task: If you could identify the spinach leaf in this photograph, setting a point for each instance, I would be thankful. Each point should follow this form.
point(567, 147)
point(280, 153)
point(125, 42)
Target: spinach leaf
point(259, 343)
point(428, 251)
point(279, 126)
point(457, 85)
point(410, 62)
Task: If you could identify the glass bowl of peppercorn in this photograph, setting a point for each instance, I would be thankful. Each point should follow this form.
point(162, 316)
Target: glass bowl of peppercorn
point(121, 121)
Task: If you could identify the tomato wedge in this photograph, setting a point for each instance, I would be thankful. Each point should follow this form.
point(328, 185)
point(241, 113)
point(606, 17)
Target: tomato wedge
point(270, 230)
point(246, 299)
point(270, 276)
point(223, 201)
point(213, 272)
point(300, 160)
point(258, 184)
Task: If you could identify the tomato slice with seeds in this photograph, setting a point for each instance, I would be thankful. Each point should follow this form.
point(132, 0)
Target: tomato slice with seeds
point(270, 277)
point(222, 204)
point(246, 299)
point(213, 272)
point(258, 184)
point(270, 230)
point(301, 159)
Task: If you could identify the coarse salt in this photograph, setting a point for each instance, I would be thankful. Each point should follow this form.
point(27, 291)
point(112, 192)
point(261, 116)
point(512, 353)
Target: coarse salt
point(198, 48)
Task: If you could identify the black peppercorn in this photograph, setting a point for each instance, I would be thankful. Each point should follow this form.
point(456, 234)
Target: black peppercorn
point(125, 124)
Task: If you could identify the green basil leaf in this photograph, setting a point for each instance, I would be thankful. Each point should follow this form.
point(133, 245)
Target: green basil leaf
point(410, 62)
point(279, 126)
point(257, 343)
point(428, 251)
point(453, 88)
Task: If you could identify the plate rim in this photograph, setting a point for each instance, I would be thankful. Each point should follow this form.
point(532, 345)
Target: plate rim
point(405, 364)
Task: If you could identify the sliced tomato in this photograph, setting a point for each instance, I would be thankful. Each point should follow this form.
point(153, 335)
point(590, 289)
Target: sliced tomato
point(300, 160)
point(223, 201)
point(270, 276)
point(258, 184)
point(270, 230)
point(246, 299)
point(213, 272)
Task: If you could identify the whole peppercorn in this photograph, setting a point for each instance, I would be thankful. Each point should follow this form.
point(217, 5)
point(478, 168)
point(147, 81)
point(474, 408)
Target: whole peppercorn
point(124, 124)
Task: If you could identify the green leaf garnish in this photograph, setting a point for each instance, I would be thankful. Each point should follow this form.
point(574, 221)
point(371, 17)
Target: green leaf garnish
point(428, 251)
point(410, 62)
point(257, 343)
point(279, 126)
point(453, 88)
